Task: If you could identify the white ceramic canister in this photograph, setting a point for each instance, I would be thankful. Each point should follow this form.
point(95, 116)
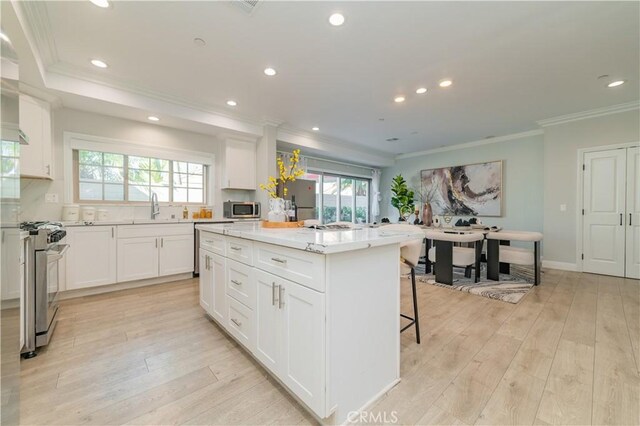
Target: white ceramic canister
point(102, 215)
point(71, 213)
point(88, 214)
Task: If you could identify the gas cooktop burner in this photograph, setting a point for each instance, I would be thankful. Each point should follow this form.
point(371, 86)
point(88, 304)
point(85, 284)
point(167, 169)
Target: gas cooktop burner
point(53, 230)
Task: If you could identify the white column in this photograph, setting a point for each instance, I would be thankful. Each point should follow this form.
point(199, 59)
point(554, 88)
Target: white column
point(265, 163)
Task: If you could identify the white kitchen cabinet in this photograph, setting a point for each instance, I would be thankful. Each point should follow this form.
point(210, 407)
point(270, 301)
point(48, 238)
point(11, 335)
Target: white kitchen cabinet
point(91, 259)
point(36, 158)
point(206, 282)
point(219, 278)
point(239, 165)
point(176, 254)
point(290, 329)
point(137, 258)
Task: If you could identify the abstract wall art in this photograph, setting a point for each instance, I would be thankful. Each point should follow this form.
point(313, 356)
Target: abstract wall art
point(470, 190)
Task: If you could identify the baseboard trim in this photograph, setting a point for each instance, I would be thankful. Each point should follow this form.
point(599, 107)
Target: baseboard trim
point(563, 266)
point(81, 292)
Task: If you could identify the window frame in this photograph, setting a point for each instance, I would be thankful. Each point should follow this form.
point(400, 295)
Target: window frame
point(339, 178)
point(77, 141)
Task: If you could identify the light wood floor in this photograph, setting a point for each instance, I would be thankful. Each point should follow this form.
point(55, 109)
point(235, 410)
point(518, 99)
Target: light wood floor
point(568, 353)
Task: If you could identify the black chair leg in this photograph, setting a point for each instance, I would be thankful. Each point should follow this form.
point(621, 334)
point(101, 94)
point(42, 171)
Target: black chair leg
point(467, 271)
point(415, 320)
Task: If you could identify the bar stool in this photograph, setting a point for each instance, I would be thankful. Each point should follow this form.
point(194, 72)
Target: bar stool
point(409, 258)
point(500, 254)
point(445, 255)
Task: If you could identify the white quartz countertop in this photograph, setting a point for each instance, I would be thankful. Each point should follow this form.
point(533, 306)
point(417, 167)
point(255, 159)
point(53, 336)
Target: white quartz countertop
point(313, 240)
point(144, 222)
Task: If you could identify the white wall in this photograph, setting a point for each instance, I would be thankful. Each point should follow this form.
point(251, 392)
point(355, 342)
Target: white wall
point(33, 190)
point(561, 144)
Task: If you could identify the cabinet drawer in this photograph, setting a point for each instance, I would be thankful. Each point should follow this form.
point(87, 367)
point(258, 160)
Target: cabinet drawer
point(154, 230)
point(241, 284)
point(296, 265)
point(240, 250)
point(215, 243)
point(240, 323)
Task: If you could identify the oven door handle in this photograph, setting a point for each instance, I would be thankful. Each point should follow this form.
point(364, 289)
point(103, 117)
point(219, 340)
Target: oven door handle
point(60, 253)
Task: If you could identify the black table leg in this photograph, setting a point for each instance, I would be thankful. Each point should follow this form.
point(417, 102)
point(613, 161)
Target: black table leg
point(536, 261)
point(478, 257)
point(444, 262)
point(505, 267)
point(493, 260)
point(427, 262)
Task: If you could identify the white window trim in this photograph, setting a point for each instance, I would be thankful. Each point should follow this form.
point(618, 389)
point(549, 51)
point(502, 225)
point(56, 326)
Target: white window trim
point(75, 141)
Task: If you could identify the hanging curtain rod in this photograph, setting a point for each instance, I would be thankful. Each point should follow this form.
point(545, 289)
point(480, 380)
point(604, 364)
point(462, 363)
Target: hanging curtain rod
point(331, 161)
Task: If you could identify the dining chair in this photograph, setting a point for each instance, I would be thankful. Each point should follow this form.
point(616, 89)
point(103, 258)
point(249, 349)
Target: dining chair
point(445, 255)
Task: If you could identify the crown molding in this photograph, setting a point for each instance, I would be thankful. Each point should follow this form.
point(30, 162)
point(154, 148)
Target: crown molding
point(37, 23)
point(53, 100)
point(592, 113)
point(472, 144)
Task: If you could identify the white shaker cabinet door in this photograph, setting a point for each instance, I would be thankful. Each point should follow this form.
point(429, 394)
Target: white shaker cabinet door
point(303, 343)
point(239, 169)
point(268, 319)
point(206, 282)
point(91, 257)
point(176, 254)
point(219, 282)
point(137, 258)
point(35, 121)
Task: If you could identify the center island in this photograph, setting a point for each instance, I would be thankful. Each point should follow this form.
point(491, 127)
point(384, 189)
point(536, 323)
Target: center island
point(319, 309)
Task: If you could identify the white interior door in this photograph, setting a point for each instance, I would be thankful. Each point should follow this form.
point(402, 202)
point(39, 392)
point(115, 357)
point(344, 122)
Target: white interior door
point(633, 213)
point(604, 209)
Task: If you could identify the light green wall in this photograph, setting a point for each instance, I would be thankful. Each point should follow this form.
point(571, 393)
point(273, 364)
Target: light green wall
point(561, 144)
point(522, 178)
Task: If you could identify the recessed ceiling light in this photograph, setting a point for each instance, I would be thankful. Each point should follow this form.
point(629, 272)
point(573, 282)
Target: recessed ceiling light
point(315, 129)
point(616, 83)
point(153, 118)
point(446, 83)
point(270, 72)
point(98, 63)
point(232, 103)
point(101, 3)
point(398, 99)
point(336, 19)
point(421, 90)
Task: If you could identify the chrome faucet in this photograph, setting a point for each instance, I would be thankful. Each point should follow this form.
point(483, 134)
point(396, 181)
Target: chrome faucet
point(155, 208)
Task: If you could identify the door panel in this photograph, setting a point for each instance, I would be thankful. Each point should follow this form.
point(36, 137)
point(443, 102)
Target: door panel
point(176, 254)
point(91, 257)
point(137, 258)
point(303, 343)
point(604, 208)
point(267, 320)
point(206, 284)
point(218, 283)
point(633, 213)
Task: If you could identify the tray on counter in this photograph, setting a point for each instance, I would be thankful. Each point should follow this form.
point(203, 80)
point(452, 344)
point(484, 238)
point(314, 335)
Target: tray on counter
point(267, 224)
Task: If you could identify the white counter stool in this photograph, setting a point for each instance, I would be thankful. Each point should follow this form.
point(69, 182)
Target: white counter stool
point(409, 258)
point(500, 254)
point(445, 255)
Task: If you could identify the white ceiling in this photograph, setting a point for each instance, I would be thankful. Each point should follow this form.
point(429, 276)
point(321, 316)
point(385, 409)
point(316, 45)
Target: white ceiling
point(512, 63)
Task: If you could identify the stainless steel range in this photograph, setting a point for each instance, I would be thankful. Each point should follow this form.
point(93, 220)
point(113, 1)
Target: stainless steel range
point(44, 251)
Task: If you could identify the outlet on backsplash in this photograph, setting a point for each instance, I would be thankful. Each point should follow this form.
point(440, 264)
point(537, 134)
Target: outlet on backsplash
point(51, 198)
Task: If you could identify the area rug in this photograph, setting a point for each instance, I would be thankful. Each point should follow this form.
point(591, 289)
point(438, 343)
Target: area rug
point(511, 288)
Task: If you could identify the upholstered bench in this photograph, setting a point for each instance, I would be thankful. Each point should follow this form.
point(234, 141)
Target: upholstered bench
point(500, 254)
point(445, 255)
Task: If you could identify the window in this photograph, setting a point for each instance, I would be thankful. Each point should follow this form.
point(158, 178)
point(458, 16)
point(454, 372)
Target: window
point(341, 198)
point(111, 177)
point(10, 170)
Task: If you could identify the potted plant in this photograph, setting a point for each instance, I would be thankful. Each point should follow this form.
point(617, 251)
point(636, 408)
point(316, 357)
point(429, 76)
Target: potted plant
point(402, 198)
point(286, 173)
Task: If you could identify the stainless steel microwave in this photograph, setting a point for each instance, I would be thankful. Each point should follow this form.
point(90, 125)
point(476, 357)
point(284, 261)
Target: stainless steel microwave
point(241, 209)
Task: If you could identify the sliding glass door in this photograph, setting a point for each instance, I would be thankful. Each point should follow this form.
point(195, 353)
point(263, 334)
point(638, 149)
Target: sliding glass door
point(341, 198)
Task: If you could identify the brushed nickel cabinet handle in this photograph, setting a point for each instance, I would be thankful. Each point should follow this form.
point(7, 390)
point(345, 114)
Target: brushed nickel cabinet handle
point(162, 242)
point(630, 219)
point(236, 282)
point(620, 219)
point(273, 293)
point(236, 322)
point(281, 297)
point(235, 248)
point(277, 259)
